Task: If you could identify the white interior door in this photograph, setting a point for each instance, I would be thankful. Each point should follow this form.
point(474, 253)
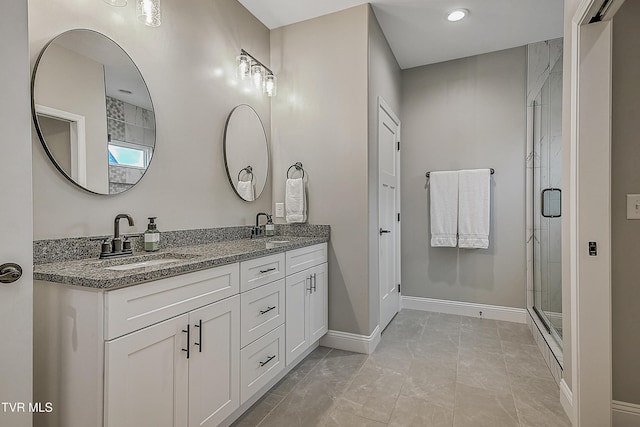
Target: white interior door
point(388, 212)
point(16, 299)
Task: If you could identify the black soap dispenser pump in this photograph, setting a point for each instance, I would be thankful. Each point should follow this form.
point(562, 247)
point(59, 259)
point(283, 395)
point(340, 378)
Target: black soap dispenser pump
point(152, 236)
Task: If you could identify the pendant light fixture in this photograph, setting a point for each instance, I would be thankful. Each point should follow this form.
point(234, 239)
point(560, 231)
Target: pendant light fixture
point(248, 67)
point(148, 12)
point(116, 3)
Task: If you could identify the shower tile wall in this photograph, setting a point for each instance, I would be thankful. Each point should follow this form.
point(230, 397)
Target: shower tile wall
point(544, 86)
point(128, 123)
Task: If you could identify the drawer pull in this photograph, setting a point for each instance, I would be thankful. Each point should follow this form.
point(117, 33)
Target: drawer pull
point(199, 343)
point(188, 331)
point(267, 270)
point(267, 310)
point(267, 361)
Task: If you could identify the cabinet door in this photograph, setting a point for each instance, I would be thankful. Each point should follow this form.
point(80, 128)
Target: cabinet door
point(214, 363)
point(319, 303)
point(146, 377)
point(297, 314)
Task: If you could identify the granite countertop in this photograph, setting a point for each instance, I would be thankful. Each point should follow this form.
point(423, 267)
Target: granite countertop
point(92, 273)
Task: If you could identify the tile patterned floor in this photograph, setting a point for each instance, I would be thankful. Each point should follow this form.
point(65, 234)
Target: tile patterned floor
point(430, 369)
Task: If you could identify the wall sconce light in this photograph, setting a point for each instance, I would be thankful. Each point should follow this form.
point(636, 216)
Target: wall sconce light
point(116, 3)
point(262, 77)
point(270, 85)
point(244, 66)
point(148, 12)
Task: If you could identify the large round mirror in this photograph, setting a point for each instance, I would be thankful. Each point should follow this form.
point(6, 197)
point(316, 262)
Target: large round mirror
point(93, 112)
point(246, 154)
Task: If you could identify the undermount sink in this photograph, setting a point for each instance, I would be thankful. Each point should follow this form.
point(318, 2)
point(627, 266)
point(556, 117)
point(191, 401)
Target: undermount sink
point(143, 264)
point(275, 243)
point(150, 261)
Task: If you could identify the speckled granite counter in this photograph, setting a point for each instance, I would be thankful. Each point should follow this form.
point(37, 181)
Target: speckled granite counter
point(92, 273)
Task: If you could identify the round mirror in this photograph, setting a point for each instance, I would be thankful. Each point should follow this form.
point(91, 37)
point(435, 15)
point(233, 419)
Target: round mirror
point(93, 112)
point(246, 155)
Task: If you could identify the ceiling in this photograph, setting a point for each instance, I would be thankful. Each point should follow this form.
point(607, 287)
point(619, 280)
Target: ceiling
point(418, 31)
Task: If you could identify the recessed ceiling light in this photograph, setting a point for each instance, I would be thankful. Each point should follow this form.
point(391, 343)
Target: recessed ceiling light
point(457, 15)
point(128, 92)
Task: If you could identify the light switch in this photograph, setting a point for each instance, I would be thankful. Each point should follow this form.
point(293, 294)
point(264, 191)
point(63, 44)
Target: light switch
point(633, 206)
point(279, 210)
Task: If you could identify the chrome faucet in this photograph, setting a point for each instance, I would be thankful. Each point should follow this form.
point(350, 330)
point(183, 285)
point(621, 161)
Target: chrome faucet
point(258, 230)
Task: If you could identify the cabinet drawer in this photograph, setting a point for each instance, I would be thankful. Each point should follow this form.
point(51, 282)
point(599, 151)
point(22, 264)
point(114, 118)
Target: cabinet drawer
point(303, 258)
point(262, 310)
point(260, 271)
point(261, 361)
point(135, 307)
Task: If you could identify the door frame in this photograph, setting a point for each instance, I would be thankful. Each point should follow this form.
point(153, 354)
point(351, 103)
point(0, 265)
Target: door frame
point(78, 142)
point(590, 216)
point(382, 104)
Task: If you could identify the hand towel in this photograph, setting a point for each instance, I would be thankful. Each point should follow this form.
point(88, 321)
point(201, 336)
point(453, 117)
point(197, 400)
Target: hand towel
point(245, 190)
point(443, 188)
point(295, 201)
point(474, 211)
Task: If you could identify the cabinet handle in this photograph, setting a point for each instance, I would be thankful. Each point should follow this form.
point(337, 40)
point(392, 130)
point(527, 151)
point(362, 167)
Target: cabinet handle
point(267, 310)
point(199, 343)
point(305, 283)
point(314, 282)
point(267, 270)
point(188, 331)
point(269, 359)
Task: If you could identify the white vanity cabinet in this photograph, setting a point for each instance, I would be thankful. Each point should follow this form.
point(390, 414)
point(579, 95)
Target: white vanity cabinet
point(190, 350)
point(306, 299)
point(152, 380)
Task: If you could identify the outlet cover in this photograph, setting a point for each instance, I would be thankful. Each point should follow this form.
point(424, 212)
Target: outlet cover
point(633, 206)
point(279, 210)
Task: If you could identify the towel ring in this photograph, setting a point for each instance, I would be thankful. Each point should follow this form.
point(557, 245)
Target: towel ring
point(248, 170)
point(298, 167)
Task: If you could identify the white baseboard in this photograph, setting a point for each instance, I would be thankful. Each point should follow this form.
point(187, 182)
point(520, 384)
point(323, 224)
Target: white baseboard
point(625, 414)
point(494, 312)
point(566, 400)
point(352, 342)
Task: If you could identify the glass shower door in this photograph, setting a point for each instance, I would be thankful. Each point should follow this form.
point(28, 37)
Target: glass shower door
point(547, 211)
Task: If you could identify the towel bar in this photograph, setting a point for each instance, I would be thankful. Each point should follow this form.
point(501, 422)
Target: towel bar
point(492, 172)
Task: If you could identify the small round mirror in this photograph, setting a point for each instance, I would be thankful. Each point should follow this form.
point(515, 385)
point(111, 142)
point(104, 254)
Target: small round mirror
point(93, 112)
point(246, 155)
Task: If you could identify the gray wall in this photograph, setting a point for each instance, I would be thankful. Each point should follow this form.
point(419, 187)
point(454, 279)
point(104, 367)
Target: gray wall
point(625, 180)
point(464, 114)
point(384, 81)
point(189, 65)
point(320, 119)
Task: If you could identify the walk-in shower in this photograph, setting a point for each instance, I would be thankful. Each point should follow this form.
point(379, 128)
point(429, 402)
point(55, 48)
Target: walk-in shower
point(545, 181)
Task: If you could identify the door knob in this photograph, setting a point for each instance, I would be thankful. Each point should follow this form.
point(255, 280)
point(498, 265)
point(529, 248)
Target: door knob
point(382, 231)
point(10, 272)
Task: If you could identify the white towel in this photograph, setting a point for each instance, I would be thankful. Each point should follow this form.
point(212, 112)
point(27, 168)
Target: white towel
point(473, 221)
point(295, 201)
point(245, 190)
point(443, 187)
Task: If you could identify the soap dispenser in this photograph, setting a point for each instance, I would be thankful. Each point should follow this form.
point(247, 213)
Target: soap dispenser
point(152, 236)
point(269, 228)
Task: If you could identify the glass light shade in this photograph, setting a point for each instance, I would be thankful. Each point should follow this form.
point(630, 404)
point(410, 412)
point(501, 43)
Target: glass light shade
point(244, 66)
point(270, 85)
point(148, 12)
point(116, 3)
point(257, 74)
